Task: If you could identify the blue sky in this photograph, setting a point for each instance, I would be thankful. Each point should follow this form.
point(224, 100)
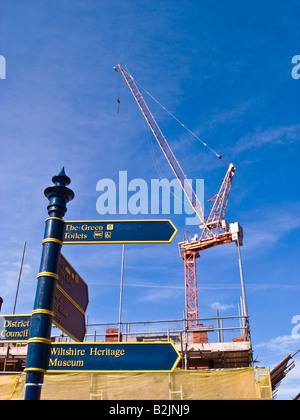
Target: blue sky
point(224, 69)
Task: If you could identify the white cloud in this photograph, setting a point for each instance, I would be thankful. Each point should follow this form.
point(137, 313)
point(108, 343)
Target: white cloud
point(283, 344)
point(230, 115)
point(160, 295)
point(219, 306)
point(280, 135)
point(270, 227)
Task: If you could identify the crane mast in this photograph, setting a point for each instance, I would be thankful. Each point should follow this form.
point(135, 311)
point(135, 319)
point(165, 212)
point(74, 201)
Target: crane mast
point(215, 230)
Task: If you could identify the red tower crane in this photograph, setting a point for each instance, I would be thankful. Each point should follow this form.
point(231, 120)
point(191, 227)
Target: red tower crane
point(215, 230)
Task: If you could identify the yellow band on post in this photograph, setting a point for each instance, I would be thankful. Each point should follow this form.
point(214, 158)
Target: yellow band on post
point(42, 311)
point(53, 218)
point(44, 241)
point(47, 274)
point(34, 370)
point(39, 340)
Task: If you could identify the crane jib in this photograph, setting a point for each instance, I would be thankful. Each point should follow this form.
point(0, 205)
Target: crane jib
point(173, 162)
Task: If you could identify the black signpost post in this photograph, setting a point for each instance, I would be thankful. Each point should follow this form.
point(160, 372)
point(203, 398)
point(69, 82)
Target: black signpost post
point(39, 343)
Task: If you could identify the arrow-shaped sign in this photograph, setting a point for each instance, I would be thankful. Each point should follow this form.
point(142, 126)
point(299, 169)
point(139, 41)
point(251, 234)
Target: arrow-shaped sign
point(72, 283)
point(119, 232)
point(14, 328)
point(70, 301)
point(113, 357)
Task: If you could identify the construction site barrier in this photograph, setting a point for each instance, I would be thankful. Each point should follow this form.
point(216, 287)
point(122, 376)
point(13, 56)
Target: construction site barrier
point(229, 384)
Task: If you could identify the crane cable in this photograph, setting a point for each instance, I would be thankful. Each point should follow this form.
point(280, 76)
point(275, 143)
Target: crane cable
point(176, 119)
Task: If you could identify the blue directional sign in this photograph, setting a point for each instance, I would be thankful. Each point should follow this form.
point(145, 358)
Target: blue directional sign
point(70, 301)
point(68, 316)
point(72, 283)
point(114, 357)
point(118, 232)
point(14, 328)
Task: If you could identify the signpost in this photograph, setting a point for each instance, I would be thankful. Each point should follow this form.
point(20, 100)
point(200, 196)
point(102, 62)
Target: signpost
point(62, 298)
point(113, 357)
point(14, 328)
point(118, 232)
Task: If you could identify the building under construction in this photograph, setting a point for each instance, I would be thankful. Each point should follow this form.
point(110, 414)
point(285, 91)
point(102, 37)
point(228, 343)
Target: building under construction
point(216, 363)
point(216, 352)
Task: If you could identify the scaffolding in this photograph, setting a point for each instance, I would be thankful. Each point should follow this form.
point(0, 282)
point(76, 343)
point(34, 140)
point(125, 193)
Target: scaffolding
point(214, 343)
